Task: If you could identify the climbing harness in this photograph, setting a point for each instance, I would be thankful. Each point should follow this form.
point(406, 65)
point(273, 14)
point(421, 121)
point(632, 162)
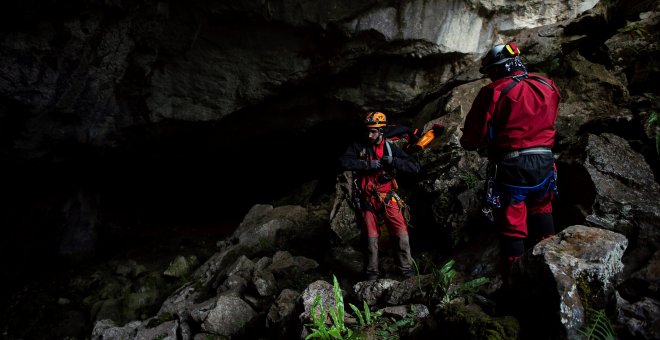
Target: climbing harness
point(528, 151)
point(519, 193)
point(491, 196)
point(391, 197)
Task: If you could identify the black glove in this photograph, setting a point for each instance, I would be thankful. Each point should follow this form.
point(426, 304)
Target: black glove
point(387, 159)
point(373, 164)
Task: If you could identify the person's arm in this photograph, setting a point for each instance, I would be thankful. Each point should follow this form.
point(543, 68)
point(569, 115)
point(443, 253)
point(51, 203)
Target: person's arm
point(403, 161)
point(476, 121)
point(350, 160)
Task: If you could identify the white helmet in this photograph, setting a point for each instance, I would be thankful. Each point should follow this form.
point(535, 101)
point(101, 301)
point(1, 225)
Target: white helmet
point(498, 55)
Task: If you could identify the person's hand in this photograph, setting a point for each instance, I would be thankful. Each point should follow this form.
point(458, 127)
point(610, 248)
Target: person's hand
point(373, 164)
point(387, 159)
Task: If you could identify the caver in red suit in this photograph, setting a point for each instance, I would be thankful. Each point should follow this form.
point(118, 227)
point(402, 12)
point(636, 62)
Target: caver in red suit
point(515, 116)
point(374, 163)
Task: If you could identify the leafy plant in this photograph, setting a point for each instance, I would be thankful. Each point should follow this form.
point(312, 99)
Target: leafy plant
point(442, 203)
point(470, 180)
point(319, 328)
point(425, 263)
point(368, 319)
point(390, 329)
point(599, 328)
point(419, 280)
point(471, 287)
point(442, 278)
point(635, 28)
point(338, 330)
point(441, 288)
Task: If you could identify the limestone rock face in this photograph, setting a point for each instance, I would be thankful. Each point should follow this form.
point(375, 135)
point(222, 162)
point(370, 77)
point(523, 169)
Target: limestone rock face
point(614, 185)
point(158, 61)
point(634, 51)
point(463, 26)
point(591, 93)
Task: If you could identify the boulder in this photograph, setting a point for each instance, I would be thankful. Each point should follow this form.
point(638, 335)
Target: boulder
point(284, 262)
point(234, 283)
point(638, 296)
point(165, 331)
point(107, 329)
point(639, 318)
point(373, 291)
point(320, 289)
point(407, 291)
point(343, 220)
point(181, 266)
point(572, 271)
point(416, 311)
point(282, 311)
point(224, 315)
point(264, 230)
point(264, 282)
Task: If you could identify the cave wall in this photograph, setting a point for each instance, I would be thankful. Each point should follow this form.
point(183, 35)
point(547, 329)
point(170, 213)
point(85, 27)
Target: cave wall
point(122, 115)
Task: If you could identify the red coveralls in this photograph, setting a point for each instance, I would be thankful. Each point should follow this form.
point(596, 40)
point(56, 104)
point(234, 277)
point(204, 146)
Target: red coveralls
point(374, 197)
point(369, 185)
point(523, 118)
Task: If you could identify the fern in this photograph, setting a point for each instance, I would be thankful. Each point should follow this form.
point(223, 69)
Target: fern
point(442, 280)
point(366, 318)
point(419, 280)
point(654, 121)
point(338, 328)
point(319, 329)
point(367, 313)
point(472, 286)
point(599, 328)
point(337, 313)
point(357, 313)
point(653, 118)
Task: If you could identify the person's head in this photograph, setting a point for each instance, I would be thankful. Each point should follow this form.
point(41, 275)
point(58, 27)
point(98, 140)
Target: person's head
point(502, 60)
point(375, 122)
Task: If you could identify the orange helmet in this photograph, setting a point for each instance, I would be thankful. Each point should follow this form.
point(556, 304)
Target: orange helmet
point(375, 119)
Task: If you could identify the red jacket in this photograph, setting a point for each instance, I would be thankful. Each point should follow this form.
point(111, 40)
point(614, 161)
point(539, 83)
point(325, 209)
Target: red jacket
point(523, 118)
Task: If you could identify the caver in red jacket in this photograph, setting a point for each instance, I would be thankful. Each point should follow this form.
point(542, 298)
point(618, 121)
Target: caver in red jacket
point(523, 118)
point(378, 201)
point(517, 112)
